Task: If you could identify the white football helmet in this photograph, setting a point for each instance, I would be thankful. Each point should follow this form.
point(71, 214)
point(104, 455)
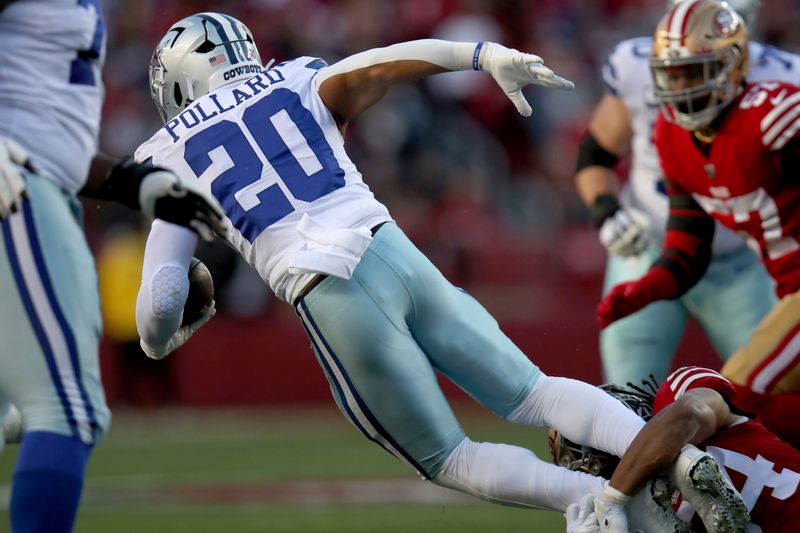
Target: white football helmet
point(699, 61)
point(747, 9)
point(197, 55)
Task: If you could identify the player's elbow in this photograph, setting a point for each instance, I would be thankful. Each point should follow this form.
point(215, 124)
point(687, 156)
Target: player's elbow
point(694, 420)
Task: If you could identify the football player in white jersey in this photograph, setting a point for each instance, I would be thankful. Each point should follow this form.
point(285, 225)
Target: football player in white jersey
point(268, 142)
point(632, 222)
point(51, 94)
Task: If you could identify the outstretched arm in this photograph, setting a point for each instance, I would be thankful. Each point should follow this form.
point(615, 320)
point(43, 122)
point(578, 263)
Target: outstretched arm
point(355, 83)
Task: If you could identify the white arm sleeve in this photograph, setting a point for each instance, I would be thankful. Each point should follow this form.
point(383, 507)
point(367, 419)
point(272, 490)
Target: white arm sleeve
point(446, 54)
point(165, 282)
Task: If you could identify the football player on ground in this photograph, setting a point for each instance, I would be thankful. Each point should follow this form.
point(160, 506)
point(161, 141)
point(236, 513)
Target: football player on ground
point(50, 99)
point(632, 222)
point(382, 319)
point(730, 151)
point(698, 406)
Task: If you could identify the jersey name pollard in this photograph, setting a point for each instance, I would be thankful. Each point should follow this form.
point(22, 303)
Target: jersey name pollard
point(747, 182)
point(272, 154)
point(51, 90)
point(626, 75)
point(764, 469)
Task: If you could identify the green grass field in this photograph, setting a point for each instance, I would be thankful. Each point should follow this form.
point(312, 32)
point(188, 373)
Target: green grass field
point(303, 470)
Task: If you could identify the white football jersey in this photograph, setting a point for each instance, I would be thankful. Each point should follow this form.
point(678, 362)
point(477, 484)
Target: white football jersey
point(51, 90)
point(626, 75)
point(271, 153)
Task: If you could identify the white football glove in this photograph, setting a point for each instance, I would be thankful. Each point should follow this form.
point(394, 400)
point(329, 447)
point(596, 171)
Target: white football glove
point(581, 517)
point(12, 186)
point(625, 232)
point(513, 70)
point(171, 198)
point(609, 507)
point(180, 337)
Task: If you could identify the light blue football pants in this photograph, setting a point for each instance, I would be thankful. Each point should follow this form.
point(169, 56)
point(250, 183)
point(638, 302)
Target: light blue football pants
point(381, 336)
point(50, 321)
point(729, 302)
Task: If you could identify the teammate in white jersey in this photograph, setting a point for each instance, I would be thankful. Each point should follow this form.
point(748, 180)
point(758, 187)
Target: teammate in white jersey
point(632, 222)
point(381, 318)
point(51, 94)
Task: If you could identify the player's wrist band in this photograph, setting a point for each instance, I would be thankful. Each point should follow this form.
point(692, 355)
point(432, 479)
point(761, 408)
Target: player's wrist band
point(604, 206)
point(123, 182)
point(476, 55)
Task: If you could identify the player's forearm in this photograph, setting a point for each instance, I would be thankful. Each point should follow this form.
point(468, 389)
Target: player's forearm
point(689, 420)
point(594, 181)
point(359, 81)
point(655, 448)
point(165, 284)
point(115, 180)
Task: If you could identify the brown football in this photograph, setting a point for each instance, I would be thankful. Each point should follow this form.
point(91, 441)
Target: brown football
point(201, 291)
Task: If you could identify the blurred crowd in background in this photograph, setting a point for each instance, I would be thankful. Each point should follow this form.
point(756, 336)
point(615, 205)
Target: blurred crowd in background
point(464, 174)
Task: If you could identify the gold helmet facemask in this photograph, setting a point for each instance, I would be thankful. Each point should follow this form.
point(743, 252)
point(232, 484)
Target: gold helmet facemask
point(699, 61)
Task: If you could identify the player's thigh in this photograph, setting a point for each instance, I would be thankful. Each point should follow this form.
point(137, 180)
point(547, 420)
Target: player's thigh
point(735, 294)
point(770, 361)
point(461, 339)
point(50, 316)
point(466, 344)
point(382, 380)
point(643, 343)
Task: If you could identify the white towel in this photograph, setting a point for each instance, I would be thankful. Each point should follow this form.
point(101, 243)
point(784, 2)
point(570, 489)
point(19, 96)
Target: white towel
point(332, 251)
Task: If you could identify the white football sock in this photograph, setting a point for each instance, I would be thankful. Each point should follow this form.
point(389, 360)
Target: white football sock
point(512, 475)
point(580, 412)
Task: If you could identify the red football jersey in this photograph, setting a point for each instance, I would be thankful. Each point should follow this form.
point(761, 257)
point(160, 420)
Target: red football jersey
point(763, 468)
point(743, 180)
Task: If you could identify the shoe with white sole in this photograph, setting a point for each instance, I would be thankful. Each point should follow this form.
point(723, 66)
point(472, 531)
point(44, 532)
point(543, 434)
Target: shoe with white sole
point(703, 484)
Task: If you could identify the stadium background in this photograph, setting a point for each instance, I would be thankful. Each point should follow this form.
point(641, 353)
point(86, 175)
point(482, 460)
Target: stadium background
point(237, 431)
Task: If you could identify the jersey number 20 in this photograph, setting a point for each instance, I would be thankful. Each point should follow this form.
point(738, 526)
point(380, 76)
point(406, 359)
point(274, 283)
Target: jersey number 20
point(277, 132)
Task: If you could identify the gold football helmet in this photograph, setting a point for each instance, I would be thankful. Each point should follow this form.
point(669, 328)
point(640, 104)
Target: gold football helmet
point(699, 61)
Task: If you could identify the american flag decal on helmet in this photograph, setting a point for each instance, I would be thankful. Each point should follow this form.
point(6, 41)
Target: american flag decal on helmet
point(217, 59)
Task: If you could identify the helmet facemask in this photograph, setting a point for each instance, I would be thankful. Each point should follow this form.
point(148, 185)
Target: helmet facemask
point(693, 91)
point(698, 62)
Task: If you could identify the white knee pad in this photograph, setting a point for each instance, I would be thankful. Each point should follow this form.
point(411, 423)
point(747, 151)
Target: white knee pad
point(511, 475)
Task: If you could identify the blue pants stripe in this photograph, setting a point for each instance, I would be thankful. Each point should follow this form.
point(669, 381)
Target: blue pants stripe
point(47, 319)
point(345, 387)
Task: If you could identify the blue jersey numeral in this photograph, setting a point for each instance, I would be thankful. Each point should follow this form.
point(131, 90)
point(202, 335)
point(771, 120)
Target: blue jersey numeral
point(289, 138)
point(82, 70)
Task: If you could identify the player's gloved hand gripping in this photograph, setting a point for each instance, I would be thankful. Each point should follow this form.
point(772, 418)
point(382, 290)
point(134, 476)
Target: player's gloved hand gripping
point(581, 517)
point(513, 70)
point(609, 508)
point(171, 198)
point(12, 186)
point(162, 194)
point(180, 336)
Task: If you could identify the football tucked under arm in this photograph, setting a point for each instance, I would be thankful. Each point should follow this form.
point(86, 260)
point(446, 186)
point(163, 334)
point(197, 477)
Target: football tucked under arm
point(165, 289)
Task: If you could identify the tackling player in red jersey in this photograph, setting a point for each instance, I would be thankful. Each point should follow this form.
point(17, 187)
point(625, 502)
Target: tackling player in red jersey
point(729, 151)
point(697, 405)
